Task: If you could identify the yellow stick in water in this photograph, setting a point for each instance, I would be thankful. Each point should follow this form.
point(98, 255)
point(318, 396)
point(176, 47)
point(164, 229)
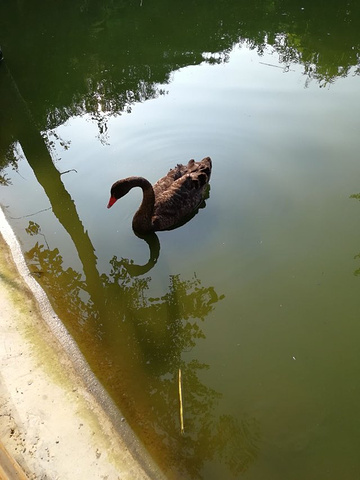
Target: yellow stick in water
point(181, 405)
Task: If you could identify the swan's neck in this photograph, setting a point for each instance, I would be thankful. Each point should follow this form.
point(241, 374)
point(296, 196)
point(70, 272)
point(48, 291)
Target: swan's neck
point(142, 221)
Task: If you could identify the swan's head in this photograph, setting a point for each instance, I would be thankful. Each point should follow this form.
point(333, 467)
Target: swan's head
point(119, 189)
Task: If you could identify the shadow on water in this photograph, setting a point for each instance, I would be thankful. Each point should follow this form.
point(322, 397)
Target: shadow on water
point(139, 356)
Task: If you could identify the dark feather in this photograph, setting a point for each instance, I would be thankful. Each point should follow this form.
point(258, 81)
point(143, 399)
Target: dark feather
point(170, 199)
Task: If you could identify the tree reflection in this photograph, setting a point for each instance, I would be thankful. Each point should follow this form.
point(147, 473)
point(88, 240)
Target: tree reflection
point(138, 345)
point(102, 58)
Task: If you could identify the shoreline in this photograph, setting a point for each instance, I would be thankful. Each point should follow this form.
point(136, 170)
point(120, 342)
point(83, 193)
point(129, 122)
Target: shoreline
point(56, 420)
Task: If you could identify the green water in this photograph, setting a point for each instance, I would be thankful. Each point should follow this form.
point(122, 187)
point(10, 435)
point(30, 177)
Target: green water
point(256, 299)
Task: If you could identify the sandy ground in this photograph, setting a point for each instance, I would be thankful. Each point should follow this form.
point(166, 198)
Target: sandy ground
point(56, 422)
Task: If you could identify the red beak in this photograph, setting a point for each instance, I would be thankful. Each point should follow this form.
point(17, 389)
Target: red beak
point(111, 201)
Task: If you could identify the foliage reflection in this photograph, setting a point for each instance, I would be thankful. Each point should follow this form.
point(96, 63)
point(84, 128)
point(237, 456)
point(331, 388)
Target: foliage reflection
point(151, 336)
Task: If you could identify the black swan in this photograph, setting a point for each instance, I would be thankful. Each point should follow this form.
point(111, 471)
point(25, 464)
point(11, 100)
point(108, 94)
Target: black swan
point(173, 198)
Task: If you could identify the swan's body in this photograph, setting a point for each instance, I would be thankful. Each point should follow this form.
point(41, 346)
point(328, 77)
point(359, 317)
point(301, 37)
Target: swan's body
point(171, 199)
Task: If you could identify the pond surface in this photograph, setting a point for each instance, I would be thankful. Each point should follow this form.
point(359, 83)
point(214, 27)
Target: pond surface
point(256, 299)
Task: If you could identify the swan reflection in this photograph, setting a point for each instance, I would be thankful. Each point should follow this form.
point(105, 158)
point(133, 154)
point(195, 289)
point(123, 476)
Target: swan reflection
point(135, 270)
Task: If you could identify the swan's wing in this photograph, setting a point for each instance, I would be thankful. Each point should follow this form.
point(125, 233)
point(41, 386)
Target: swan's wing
point(192, 168)
point(179, 200)
point(166, 182)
